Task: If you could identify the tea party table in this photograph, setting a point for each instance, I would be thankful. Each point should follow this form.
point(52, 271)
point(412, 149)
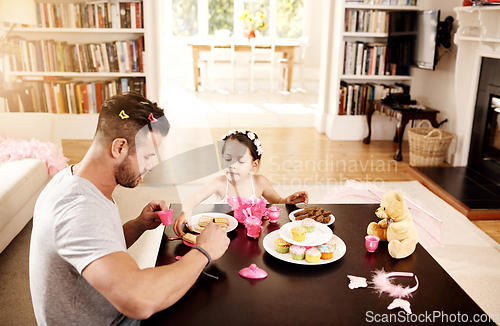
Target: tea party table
point(309, 294)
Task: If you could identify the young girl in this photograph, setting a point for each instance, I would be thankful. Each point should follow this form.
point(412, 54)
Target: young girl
point(241, 156)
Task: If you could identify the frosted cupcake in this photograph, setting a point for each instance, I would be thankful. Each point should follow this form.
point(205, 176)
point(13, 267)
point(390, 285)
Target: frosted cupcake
point(281, 246)
point(313, 255)
point(332, 242)
point(308, 224)
point(326, 251)
point(297, 252)
point(298, 233)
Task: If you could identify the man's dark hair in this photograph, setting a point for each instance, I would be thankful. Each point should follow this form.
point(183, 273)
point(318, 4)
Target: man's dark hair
point(124, 115)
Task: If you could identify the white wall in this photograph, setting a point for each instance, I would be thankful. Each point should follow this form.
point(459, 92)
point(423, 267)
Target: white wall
point(436, 89)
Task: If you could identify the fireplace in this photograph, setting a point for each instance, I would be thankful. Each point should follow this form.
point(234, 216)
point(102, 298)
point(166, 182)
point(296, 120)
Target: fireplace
point(484, 154)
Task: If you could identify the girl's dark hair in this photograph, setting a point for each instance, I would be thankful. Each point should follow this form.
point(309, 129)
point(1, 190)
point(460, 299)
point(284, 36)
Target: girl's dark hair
point(113, 123)
point(243, 139)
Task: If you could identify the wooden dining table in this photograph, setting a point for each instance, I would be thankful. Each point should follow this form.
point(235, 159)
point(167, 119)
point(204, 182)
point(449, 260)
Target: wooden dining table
point(286, 47)
point(295, 294)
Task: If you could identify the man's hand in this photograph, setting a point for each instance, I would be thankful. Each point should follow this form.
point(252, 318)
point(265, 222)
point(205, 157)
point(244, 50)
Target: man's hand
point(298, 197)
point(149, 218)
point(214, 240)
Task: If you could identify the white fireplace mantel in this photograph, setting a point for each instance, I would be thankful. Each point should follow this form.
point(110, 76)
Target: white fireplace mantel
point(478, 36)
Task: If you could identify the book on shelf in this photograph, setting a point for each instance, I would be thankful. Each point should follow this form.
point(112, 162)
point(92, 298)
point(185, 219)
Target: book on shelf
point(366, 21)
point(354, 98)
point(362, 58)
point(97, 14)
point(54, 56)
point(64, 95)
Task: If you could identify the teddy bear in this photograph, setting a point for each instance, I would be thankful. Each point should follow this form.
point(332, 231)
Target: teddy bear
point(396, 225)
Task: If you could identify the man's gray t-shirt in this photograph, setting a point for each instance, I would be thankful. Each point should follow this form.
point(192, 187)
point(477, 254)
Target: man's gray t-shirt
point(73, 225)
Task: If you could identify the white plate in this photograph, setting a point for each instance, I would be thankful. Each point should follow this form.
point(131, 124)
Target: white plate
point(233, 223)
point(292, 217)
point(270, 247)
point(321, 234)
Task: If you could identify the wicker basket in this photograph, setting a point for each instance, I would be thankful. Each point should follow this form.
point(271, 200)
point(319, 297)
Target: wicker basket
point(428, 145)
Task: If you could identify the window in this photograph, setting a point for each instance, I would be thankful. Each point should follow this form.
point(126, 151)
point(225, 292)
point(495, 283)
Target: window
point(280, 18)
point(220, 15)
point(185, 17)
point(289, 20)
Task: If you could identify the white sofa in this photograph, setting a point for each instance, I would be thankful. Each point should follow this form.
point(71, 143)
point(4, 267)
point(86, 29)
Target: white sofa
point(22, 181)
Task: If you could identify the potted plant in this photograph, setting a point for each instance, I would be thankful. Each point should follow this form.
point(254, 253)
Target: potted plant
point(253, 23)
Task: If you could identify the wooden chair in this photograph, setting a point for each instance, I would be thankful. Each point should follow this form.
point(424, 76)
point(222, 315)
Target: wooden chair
point(283, 62)
point(262, 53)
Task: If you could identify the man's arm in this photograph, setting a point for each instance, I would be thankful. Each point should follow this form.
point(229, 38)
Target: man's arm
point(140, 293)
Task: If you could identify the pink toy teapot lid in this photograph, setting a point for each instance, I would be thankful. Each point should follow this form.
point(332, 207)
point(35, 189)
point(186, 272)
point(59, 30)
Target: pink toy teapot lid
point(273, 209)
point(253, 272)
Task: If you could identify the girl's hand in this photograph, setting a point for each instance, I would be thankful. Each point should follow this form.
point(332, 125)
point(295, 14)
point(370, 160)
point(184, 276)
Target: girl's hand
point(180, 221)
point(298, 197)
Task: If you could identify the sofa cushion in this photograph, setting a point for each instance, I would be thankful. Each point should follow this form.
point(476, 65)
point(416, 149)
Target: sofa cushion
point(20, 181)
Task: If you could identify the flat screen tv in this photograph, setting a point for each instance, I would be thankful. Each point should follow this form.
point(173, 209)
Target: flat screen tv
point(424, 55)
point(412, 39)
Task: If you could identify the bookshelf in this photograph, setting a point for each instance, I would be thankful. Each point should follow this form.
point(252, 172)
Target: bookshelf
point(343, 125)
point(365, 74)
point(72, 29)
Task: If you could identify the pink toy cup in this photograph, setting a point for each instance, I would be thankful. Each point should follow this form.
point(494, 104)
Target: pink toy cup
point(239, 215)
point(260, 202)
point(371, 243)
point(258, 211)
point(166, 216)
point(253, 230)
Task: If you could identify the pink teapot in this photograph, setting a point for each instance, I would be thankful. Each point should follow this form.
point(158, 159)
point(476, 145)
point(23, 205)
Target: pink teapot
point(274, 213)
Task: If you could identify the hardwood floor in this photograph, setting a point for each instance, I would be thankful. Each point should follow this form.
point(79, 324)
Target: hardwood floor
point(303, 155)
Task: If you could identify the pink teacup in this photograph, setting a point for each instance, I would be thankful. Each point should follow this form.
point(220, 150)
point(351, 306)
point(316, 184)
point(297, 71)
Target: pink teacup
point(166, 216)
point(253, 230)
point(371, 243)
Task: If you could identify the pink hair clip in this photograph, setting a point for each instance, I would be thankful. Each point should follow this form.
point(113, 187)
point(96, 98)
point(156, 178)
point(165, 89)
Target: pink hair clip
point(151, 117)
point(123, 115)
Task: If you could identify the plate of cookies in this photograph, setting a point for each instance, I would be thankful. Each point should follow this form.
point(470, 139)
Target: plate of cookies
point(305, 233)
point(200, 221)
point(328, 252)
point(318, 214)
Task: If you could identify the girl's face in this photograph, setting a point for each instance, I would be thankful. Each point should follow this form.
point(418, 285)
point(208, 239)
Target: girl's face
point(237, 161)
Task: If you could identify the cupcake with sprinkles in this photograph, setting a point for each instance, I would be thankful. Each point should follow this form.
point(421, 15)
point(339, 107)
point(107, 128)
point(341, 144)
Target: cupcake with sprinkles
point(281, 246)
point(298, 233)
point(326, 251)
point(332, 242)
point(308, 224)
point(297, 252)
point(313, 255)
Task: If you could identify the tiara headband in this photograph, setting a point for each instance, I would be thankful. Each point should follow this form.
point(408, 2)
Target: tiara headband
point(250, 136)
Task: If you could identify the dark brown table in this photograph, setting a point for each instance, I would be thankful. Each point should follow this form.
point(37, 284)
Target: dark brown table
point(308, 295)
point(402, 116)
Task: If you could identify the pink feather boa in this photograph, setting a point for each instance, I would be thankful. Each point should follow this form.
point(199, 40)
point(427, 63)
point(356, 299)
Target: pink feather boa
point(12, 149)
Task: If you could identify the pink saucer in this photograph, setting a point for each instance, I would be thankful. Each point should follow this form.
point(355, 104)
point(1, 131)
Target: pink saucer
point(189, 244)
point(253, 272)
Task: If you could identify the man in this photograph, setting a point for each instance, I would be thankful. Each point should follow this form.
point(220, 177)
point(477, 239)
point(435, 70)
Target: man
point(80, 271)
